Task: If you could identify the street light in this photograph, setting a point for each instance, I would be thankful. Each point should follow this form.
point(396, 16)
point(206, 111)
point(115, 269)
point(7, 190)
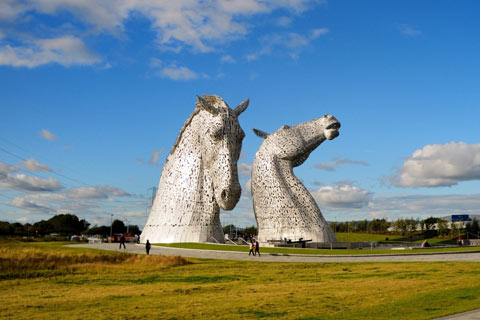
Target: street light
point(111, 226)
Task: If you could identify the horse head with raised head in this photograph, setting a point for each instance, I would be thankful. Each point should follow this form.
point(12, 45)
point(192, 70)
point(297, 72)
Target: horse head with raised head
point(199, 177)
point(283, 207)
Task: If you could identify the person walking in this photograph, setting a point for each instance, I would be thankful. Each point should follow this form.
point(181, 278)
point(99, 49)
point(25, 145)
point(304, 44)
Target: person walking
point(257, 248)
point(122, 242)
point(147, 247)
point(251, 249)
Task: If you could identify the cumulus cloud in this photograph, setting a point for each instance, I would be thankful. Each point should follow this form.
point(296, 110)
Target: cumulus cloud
point(409, 30)
point(6, 168)
point(29, 205)
point(175, 72)
point(65, 50)
point(23, 182)
point(337, 162)
point(199, 25)
point(424, 206)
point(32, 165)
point(97, 192)
point(48, 135)
point(439, 165)
point(342, 196)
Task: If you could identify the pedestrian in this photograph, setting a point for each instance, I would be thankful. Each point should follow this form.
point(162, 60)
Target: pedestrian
point(147, 247)
point(122, 242)
point(251, 249)
point(257, 248)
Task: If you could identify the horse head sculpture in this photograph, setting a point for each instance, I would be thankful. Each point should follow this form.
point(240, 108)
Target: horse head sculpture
point(199, 177)
point(283, 206)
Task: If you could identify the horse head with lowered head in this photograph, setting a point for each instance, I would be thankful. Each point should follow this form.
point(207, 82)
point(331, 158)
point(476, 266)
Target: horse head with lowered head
point(200, 176)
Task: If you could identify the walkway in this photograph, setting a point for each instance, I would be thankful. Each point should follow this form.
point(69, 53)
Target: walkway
point(269, 257)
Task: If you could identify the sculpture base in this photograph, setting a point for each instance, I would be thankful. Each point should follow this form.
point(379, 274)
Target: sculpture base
point(266, 235)
point(174, 234)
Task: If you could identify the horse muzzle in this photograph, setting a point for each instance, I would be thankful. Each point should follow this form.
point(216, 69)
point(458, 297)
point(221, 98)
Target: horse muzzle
point(229, 197)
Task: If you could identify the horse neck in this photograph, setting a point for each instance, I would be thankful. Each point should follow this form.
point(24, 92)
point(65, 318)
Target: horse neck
point(185, 169)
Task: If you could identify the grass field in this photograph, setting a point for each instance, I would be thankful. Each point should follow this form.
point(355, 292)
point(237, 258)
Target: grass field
point(48, 281)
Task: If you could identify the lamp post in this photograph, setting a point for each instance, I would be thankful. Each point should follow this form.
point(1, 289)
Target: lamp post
point(111, 226)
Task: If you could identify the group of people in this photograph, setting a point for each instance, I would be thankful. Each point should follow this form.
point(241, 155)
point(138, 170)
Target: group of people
point(148, 245)
point(254, 247)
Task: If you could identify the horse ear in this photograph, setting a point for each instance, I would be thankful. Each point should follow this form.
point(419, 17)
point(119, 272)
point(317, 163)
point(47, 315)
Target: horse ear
point(241, 107)
point(260, 133)
point(201, 103)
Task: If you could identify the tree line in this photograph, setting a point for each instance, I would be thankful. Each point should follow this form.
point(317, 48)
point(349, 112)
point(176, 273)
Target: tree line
point(430, 227)
point(64, 225)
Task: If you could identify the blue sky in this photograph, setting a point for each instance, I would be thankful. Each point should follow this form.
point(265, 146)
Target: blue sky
point(93, 94)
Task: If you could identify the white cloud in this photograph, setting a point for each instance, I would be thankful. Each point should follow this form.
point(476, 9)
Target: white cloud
point(423, 206)
point(178, 73)
point(97, 192)
point(440, 165)
point(227, 59)
point(154, 159)
point(6, 168)
point(65, 50)
point(245, 169)
point(10, 9)
point(409, 30)
point(196, 24)
point(32, 165)
point(284, 21)
point(29, 205)
point(48, 135)
point(138, 213)
point(23, 182)
point(290, 42)
point(342, 196)
point(337, 162)
point(318, 32)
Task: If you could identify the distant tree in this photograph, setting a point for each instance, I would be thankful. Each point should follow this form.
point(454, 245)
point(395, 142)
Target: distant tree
point(67, 224)
point(134, 229)
point(229, 229)
point(362, 226)
point(6, 228)
point(102, 230)
point(351, 226)
point(442, 227)
point(333, 225)
point(473, 227)
point(400, 226)
point(251, 230)
point(118, 226)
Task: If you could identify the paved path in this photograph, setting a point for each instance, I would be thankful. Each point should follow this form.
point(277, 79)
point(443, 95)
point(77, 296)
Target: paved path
point(269, 257)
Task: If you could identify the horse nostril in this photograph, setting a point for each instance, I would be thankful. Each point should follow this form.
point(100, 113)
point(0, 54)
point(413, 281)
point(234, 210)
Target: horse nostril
point(224, 195)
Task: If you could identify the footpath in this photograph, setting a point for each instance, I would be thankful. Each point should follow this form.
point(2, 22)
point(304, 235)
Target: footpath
point(270, 257)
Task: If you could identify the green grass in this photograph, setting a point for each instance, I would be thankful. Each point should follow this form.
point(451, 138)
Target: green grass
point(226, 247)
point(72, 283)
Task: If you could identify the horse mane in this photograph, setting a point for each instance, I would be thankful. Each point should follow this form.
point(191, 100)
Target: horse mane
point(211, 100)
